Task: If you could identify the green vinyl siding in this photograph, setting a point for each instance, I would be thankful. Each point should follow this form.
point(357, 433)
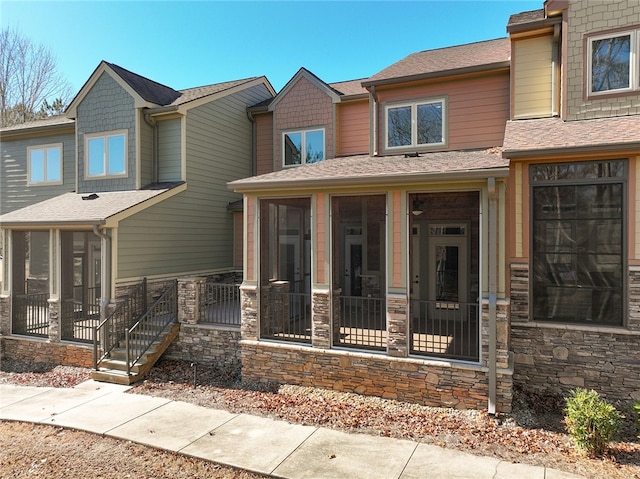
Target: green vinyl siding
point(146, 151)
point(169, 150)
point(193, 230)
point(15, 192)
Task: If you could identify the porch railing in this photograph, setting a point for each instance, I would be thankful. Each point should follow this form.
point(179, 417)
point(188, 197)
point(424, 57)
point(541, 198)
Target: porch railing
point(30, 315)
point(112, 329)
point(445, 329)
point(286, 316)
point(362, 322)
point(140, 336)
point(220, 303)
point(78, 320)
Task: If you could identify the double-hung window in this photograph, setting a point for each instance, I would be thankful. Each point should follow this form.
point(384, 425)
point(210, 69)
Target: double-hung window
point(302, 147)
point(614, 66)
point(578, 246)
point(44, 164)
point(416, 124)
point(106, 154)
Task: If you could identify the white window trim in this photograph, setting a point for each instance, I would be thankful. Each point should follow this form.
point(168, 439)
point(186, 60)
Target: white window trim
point(634, 62)
point(45, 148)
point(414, 123)
point(304, 131)
point(105, 135)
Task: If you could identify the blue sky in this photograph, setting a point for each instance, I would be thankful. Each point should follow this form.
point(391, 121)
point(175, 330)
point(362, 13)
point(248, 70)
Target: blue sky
point(187, 44)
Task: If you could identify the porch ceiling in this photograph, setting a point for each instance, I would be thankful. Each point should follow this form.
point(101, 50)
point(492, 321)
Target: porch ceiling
point(529, 138)
point(361, 170)
point(81, 209)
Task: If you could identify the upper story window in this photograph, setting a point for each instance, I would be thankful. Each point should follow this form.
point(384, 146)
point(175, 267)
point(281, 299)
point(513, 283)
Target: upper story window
point(614, 65)
point(302, 147)
point(106, 154)
point(44, 164)
point(415, 124)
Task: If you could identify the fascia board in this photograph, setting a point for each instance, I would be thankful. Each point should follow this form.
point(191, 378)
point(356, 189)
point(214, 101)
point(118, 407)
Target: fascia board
point(589, 149)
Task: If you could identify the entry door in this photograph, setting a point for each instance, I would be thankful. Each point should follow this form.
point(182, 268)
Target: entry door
point(352, 266)
point(448, 270)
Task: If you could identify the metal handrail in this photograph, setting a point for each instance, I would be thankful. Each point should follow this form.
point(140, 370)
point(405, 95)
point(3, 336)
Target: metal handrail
point(166, 309)
point(118, 321)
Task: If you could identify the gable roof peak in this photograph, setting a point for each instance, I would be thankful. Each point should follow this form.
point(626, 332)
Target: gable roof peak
point(149, 90)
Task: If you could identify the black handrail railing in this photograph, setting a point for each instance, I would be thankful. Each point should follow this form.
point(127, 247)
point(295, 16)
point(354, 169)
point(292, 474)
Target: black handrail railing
point(220, 303)
point(31, 314)
point(112, 329)
point(140, 336)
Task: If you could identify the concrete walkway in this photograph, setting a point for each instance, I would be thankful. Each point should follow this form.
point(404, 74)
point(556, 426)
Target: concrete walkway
point(254, 443)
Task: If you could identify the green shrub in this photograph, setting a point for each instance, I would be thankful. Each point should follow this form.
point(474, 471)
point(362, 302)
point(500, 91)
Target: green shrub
point(591, 421)
point(636, 406)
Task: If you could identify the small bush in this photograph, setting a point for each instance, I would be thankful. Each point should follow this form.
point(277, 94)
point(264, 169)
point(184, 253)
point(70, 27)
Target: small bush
point(591, 421)
point(636, 406)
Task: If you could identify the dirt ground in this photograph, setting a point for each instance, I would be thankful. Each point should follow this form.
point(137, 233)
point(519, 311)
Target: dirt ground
point(533, 433)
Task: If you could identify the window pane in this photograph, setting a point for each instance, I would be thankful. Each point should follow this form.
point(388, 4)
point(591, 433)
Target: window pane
point(53, 164)
point(116, 155)
point(399, 126)
point(430, 123)
point(577, 261)
point(314, 144)
point(610, 60)
point(293, 149)
point(96, 156)
point(36, 173)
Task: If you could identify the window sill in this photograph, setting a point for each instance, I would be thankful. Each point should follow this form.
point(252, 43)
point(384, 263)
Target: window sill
point(595, 328)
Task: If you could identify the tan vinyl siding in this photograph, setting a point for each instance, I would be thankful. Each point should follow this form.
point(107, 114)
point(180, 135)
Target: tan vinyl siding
point(196, 222)
point(264, 143)
point(477, 109)
point(353, 128)
point(169, 150)
point(15, 193)
point(532, 78)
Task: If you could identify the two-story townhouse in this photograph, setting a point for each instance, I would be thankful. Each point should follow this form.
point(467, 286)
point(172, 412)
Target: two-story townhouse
point(129, 185)
point(573, 142)
point(375, 252)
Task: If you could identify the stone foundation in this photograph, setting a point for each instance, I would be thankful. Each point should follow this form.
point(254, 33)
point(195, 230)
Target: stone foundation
point(207, 344)
point(431, 383)
point(44, 351)
point(553, 358)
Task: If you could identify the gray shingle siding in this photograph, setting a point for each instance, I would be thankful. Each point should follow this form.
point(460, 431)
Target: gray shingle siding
point(107, 107)
point(15, 192)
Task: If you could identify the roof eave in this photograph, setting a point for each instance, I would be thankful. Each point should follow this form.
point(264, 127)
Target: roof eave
point(534, 25)
point(565, 150)
point(38, 129)
point(496, 66)
point(47, 224)
point(462, 175)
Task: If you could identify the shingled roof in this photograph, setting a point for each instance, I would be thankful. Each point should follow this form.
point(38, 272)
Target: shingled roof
point(370, 170)
point(530, 20)
point(553, 135)
point(149, 90)
point(445, 61)
point(81, 209)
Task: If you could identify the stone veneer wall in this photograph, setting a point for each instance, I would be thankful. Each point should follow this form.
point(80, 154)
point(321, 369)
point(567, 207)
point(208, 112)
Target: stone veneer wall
point(45, 351)
point(553, 358)
point(432, 383)
point(394, 376)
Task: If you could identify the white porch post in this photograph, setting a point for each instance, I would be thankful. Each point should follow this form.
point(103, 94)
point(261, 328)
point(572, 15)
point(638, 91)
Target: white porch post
point(493, 285)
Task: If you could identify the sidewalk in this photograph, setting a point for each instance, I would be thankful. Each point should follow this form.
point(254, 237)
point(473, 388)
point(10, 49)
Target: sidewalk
point(254, 443)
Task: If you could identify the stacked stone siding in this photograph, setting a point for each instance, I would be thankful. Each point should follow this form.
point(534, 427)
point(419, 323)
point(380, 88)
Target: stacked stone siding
point(431, 383)
point(207, 344)
point(553, 358)
point(44, 351)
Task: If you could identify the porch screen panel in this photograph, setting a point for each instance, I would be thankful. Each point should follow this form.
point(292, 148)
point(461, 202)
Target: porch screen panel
point(285, 269)
point(30, 283)
point(578, 242)
point(358, 236)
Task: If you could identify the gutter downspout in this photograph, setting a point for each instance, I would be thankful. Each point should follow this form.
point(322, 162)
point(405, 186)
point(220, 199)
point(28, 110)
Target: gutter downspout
point(374, 119)
point(554, 71)
point(493, 286)
point(155, 174)
point(106, 271)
